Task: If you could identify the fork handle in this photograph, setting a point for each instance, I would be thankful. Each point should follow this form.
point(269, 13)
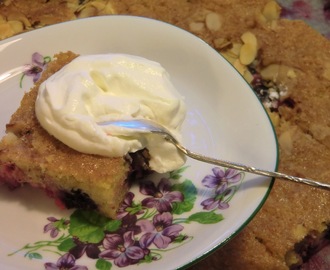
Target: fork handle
point(249, 169)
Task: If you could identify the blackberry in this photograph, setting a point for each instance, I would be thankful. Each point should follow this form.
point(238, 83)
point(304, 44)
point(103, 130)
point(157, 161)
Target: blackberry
point(77, 199)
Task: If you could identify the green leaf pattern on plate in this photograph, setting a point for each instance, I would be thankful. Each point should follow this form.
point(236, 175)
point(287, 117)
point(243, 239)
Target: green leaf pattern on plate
point(146, 227)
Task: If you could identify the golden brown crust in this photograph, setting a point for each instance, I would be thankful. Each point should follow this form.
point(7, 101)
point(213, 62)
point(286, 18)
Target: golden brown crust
point(48, 163)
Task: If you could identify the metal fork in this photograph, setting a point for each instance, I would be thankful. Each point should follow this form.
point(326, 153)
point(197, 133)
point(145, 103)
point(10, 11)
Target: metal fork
point(147, 126)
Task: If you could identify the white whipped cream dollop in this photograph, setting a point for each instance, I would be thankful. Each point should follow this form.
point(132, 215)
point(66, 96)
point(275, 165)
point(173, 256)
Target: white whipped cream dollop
point(97, 88)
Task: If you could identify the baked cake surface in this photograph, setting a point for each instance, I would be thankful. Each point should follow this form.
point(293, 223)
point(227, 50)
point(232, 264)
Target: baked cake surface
point(301, 58)
point(28, 154)
point(301, 118)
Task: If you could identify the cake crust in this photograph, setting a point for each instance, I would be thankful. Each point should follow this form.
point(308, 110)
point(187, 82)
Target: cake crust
point(39, 159)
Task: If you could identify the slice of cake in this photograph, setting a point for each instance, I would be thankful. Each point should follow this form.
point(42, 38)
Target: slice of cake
point(30, 155)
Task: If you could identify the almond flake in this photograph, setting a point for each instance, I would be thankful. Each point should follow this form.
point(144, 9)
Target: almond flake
point(196, 26)
point(213, 21)
point(249, 49)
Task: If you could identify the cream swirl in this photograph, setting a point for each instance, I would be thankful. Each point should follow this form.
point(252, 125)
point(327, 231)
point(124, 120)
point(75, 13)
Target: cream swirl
point(96, 88)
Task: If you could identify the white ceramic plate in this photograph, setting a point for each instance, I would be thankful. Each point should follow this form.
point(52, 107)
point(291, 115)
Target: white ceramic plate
point(224, 120)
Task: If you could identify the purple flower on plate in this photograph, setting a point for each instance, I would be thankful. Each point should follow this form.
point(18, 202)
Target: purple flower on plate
point(92, 250)
point(128, 206)
point(122, 249)
point(67, 262)
point(161, 231)
point(162, 196)
point(128, 223)
point(221, 178)
point(36, 67)
point(55, 226)
point(219, 200)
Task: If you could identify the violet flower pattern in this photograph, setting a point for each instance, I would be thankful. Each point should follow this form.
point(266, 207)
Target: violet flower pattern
point(221, 179)
point(128, 206)
point(129, 223)
point(55, 226)
point(150, 223)
point(36, 67)
point(161, 196)
point(220, 200)
point(67, 262)
point(122, 249)
point(160, 232)
point(90, 249)
point(223, 183)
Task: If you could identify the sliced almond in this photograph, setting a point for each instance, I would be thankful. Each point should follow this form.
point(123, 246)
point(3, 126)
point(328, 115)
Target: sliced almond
point(248, 76)
point(249, 37)
point(196, 27)
point(269, 15)
point(270, 72)
point(249, 49)
point(213, 21)
point(16, 26)
point(286, 142)
point(99, 5)
point(222, 44)
point(200, 15)
point(235, 50)
point(87, 11)
point(6, 30)
point(108, 9)
point(291, 73)
point(261, 19)
point(271, 11)
point(248, 54)
point(277, 72)
point(229, 57)
point(94, 8)
point(232, 54)
point(240, 67)
point(17, 16)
